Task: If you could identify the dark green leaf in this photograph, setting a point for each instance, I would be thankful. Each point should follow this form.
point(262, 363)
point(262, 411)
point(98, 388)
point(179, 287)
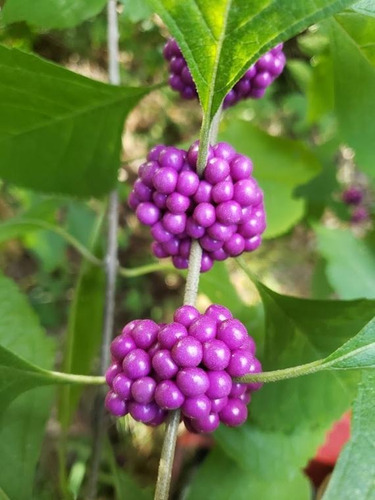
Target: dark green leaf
point(280, 165)
point(220, 39)
point(59, 132)
point(350, 262)
point(354, 83)
point(353, 476)
point(51, 14)
point(22, 423)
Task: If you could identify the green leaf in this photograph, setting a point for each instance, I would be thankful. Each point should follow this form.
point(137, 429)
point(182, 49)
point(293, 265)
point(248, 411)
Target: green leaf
point(84, 329)
point(366, 7)
point(220, 39)
point(358, 352)
point(242, 483)
point(136, 10)
point(320, 93)
point(350, 262)
point(353, 476)
point(280, 165)
point(59, 132)
point(22, 423)
point(289, 419)
point(353, 56)
point(51, 14)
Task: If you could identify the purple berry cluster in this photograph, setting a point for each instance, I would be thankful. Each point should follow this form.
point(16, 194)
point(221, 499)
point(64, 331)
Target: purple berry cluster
point(187, 364)
point(252, 85)
point(354, 197)
point(223, 210)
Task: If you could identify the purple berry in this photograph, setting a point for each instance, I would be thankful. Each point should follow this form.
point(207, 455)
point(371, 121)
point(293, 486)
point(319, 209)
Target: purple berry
point(115, 404)
point(207, 424)
point(160, 234)
point(171, 333)
point(352, 195)
point(210, 244)
point(220, 384)
point(237, 390)
point(185, 315)
point(255, 367)
point(187, 352)
point(220, 231)
point(241, 168)
point(252, 243)
point(142, 192)
point(172, 158)
point(193, 229)
point(177, 203)
point(234, 413)
point(168, 396)
point(113, 370)
point(232, 332)
point(216, 355)
point(240, 363)
point(192, 381)
point(203, 193)
point(165, 180)
point(148, 213)
point(206, 263)
point(204, 214)
point(217, 169)
point(235, 245)
point(187, 183)
point(196, 407)
point(143, 390)
point(222, 191)
point(136, 364)
point(121, 346)
point(218, 404)
point(219, 313)
point(203, 329)
point(164, 365)
point(159, 418)
point(225, 151)
point(174, 223)
point(122, 386)
point(245, 192)
point(229, 212)
point(145, 333)
point(143, 412)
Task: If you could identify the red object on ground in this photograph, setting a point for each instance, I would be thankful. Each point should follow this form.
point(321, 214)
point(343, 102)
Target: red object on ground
point(335, 440)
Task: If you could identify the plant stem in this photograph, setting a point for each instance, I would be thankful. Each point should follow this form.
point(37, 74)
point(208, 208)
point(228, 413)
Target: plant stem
point(111, 265)
point(71, 378)
point(207, 136)
point(276, 375)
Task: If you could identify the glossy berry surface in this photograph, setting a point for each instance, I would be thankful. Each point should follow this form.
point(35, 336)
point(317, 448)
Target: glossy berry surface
point(251, 86)
point(188, 364)
point(223, 209)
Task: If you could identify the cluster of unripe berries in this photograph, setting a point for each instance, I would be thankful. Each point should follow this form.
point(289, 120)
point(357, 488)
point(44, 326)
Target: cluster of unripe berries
point(188, 364)
point(354, 197)
point(223, 209)
point(252, 85)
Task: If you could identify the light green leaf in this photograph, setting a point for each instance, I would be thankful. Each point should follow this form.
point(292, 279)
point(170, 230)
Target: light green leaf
point(358, 352)
point(354, 473)
point(354, 83)
point(280, 165)
point(59, 132)
point(366, 7)
point(51, 14)
point(350, 262)
point(288, 420)
point(221, 38)
point(136, 10)
point(242, 483)
point(22, 423)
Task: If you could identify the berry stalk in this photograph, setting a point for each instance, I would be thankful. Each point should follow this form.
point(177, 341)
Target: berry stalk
point(208, 136)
